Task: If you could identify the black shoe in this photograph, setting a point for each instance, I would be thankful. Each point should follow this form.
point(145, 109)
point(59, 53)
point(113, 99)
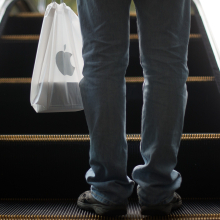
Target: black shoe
point(162, 209)
point(87, 202)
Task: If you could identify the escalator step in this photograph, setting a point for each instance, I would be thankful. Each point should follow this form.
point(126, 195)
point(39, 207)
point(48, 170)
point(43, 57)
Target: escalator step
point(21, 51)
point(197, 58)
point(54, 166)
point(202, 110)
point(133, 24)
point(30, 23)
point(24, 23)
point(194, 25)
point(67, 209)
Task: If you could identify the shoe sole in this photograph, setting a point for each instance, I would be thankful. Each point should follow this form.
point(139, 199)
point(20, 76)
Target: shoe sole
point(160, 209)
point(102, 210)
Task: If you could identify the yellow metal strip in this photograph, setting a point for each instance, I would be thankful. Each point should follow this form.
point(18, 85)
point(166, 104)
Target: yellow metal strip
point(20, 37)
point(15, 80)
point(195, 36)
point(189, 79)
point(201, 79)
point(33, 14)
point(28, 15)
point(200, 136)
point(44, 138)
point(192, 36)
point(128, 79)
point(133, 37)
point(66, 138)
point(133, 14)
point(134, 79)
point(36, 37)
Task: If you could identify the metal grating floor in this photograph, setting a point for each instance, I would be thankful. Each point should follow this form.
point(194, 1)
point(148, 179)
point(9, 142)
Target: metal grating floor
point(11, 209)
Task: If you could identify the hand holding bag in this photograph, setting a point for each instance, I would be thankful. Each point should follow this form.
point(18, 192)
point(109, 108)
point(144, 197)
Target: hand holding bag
point(59, 63)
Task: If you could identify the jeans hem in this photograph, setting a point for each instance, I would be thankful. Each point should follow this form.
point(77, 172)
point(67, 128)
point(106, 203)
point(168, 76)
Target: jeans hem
point(103, 200)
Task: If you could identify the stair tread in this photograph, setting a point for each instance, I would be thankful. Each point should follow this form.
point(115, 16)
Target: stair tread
point(18, 117)
point(50, 169)
point(191, 208)
point(25, 49)
point(17, 23)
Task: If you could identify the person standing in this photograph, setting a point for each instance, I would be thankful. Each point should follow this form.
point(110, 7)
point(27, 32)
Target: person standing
point(163, 30)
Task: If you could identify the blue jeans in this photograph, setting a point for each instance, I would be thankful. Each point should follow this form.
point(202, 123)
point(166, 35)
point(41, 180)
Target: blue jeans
point(163, 29)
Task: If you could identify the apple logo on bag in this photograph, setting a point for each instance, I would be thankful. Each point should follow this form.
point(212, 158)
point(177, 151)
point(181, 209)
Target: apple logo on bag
point(63, 62)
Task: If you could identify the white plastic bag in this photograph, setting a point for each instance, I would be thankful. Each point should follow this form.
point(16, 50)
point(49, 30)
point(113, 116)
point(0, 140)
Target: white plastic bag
point(59, 63)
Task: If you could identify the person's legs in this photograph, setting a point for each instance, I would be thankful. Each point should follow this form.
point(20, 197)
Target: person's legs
point(163, 29)
point(105, 32)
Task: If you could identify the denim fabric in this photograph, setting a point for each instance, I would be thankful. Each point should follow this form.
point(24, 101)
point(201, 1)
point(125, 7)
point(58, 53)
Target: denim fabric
point(163, 29)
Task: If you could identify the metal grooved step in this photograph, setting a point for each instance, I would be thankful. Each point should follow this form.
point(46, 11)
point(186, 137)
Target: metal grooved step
point(128, 79)
point(67, 209)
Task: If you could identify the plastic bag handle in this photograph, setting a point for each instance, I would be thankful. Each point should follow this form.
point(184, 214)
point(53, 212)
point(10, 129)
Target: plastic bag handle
point(61, 1)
